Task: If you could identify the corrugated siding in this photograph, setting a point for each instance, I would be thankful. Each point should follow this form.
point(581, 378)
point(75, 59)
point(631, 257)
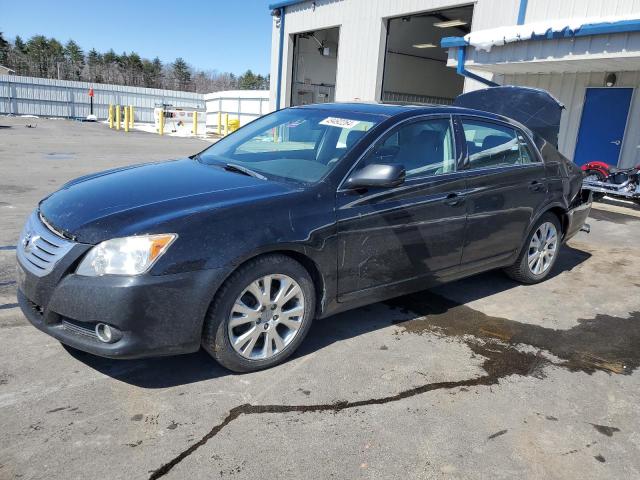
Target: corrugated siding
point(546, 9)
point(568, 54)
point(245, 108)
point(62, 98)
point(570, 89)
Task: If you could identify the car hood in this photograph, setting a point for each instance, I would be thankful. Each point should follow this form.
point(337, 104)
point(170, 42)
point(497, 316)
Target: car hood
point(146, 198)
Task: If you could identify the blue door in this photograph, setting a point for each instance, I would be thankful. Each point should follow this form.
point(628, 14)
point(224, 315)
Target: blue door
point(604, 118)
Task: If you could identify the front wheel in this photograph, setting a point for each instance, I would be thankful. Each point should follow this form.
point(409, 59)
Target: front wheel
point(539, 253)
point(260, 315)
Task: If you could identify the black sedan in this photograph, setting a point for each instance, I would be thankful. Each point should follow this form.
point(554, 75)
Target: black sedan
point(300, 214)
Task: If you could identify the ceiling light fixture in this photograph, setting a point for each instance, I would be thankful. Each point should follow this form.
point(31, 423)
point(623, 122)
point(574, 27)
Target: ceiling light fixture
point(424, 45)
point(450, 23)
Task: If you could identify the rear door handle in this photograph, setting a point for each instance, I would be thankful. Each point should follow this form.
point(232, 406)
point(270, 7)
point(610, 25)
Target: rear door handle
point(536, 186)
point(454, 199)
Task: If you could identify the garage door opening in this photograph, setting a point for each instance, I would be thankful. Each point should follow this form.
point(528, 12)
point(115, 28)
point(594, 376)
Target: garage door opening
point(415, 68)
point(315, 62)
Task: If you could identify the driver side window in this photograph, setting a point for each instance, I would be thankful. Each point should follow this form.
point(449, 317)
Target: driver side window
point(423, 148)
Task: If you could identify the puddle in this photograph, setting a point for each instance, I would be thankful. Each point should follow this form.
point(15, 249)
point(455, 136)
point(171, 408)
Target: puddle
point(605, 343)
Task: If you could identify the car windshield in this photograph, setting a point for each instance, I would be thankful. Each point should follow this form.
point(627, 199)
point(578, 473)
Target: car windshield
point(298, 144)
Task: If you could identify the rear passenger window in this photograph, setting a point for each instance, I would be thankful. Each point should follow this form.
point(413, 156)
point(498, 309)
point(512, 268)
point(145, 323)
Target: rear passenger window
point(492, 145)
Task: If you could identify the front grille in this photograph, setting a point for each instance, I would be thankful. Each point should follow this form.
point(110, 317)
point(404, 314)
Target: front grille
point(85, 330)
point(39, 249)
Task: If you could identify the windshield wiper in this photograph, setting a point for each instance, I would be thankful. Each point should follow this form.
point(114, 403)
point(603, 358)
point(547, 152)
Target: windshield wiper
point(234, 167)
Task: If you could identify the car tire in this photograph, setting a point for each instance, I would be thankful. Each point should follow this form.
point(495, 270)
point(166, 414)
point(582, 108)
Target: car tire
point(521, 271)
point(241, 290)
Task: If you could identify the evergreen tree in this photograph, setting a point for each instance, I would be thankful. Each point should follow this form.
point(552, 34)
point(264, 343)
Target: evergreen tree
point(37, 51)
point(181, 73)
point(94, 61)
point(4, 49)
point(48, 58)
point(75, 59)
point(19, 45)
point(249, 81)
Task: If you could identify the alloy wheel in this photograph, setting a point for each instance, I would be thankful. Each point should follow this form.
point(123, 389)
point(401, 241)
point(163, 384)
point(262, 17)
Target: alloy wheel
point(542, 248)
point(266, 317)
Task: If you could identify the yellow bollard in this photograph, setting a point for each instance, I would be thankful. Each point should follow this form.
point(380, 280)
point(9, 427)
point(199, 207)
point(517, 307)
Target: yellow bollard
point(131, 117)
point(194, 128)
point(126, 118)
point(226, 124)
point(161, 123)
point(219, 129)
point(110, 116)
point(117, 117)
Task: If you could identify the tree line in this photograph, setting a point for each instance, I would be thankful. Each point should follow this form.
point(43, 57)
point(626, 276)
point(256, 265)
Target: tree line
point(45, 57)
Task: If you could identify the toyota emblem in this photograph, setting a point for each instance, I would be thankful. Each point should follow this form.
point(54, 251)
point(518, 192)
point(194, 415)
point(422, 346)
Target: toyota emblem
point(26, 242)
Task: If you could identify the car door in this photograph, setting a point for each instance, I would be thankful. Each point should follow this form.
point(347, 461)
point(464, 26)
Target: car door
point(387, 236)
point(506, 187)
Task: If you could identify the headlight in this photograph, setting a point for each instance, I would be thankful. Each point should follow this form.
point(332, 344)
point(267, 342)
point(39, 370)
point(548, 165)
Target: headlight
point(125, 256)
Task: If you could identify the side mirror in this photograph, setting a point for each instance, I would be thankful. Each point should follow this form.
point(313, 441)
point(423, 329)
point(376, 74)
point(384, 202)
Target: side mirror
point(377, 175)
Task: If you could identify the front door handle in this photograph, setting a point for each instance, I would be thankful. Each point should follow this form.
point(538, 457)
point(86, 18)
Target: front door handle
point(454, 199)
point(536, 186)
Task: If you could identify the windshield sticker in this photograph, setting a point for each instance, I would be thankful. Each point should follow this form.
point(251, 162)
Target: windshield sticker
point(339, 122)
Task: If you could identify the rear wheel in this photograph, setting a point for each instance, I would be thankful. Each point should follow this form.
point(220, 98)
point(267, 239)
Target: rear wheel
point(540, 252)
point(260, 315)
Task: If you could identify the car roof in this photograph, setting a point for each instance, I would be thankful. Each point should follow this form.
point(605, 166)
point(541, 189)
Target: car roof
point(390, 110)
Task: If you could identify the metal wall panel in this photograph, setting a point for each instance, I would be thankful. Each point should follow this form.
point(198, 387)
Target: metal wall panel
point(63, 98)
point(619, 51)
point(362, 42)
point(570, 89)
point(545, 9)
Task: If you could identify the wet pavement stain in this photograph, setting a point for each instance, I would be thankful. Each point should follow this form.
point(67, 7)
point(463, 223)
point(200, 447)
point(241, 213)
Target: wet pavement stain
point(605, 343)
point(600, 458)
point(605, 430)
point(497, 365)
point(58, 409)
point(173, 425)
point(497, 434)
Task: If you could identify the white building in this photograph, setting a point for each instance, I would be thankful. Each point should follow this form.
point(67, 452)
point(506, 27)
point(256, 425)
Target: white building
point(585, 52)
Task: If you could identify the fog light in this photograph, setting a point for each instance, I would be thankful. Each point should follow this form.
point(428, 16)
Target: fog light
point(104, 333)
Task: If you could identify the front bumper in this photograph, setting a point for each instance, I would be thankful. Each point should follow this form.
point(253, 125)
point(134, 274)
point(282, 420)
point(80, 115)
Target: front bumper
point(153, 315)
